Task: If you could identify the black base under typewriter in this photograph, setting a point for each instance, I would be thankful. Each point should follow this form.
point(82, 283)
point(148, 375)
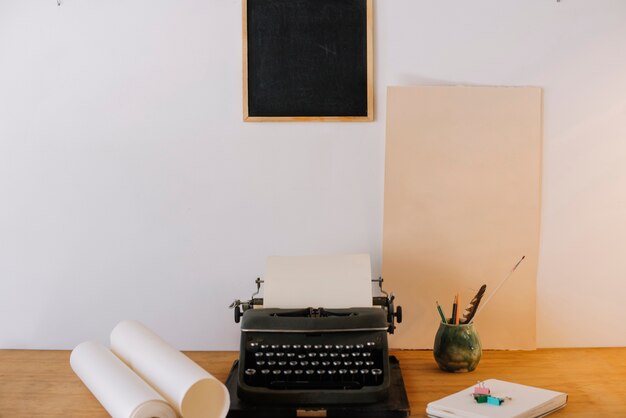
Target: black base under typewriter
point(395, 406)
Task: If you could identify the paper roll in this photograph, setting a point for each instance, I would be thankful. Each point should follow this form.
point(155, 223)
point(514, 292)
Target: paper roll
point(338, 281)
point(190, 389)
point(120, 391)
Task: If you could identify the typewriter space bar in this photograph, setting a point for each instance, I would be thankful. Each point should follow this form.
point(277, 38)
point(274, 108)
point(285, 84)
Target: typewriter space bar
point(295, 385)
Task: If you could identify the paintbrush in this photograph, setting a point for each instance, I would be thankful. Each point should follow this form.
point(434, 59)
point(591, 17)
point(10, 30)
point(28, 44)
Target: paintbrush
point(497, 288)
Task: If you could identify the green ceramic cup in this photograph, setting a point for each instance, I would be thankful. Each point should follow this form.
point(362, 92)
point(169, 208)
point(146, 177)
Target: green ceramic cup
point(457, 348)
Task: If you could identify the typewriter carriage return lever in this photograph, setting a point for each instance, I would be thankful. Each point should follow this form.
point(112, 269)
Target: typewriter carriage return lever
point(386, 302)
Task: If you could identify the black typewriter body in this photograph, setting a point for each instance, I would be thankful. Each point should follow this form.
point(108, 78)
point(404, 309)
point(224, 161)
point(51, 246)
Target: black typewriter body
point(317, 357)
point(314, 356)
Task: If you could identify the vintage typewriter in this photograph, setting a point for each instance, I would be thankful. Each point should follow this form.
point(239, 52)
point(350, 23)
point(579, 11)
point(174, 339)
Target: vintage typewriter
point(316, 356)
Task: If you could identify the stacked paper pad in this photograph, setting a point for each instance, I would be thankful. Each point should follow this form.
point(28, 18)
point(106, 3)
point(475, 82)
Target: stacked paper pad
point(142, 376)
point(522, 402)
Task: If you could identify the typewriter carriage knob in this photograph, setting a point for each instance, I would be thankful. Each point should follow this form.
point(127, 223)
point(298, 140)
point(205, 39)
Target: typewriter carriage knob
point(387, 302)
point(393, 314)
point(239, 308)
point(242, 306)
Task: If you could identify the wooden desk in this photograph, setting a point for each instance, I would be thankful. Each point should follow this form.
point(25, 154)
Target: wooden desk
point(42, 384)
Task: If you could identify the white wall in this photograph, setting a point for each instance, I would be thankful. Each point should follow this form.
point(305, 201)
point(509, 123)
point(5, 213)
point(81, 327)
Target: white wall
point(130, 187)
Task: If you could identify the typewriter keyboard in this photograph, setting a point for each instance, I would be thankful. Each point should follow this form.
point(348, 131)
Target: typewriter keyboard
point(314, 365)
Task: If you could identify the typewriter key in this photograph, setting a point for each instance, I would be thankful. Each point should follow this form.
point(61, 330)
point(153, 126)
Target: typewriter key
point(280, 354)
point(322, 355)
point(275, 346)
point(286, 346)
point(277, 372)
point(333, 355)
point(345, 355)
point(282, 363)
point(370, 344)
point(264, 346)
point(326, 363)
point(296, 346)
point(291, 355)
point(312, 354)
point(317, 346)
point(315, 363)
point(359, 346)
point(271, 363)
point(353, 371)
point(356, 354)
point(347, 363)
point(293, 363)
point(304, 363)
point(269, 354)
point(253, 345)
point(358, 363)
point(332, 372)
point(349, 347)
point(260, 362)
point(376, 373)
point(306, 346)
point(258, 355)
point(250, 372)
point(366, 354)
point(301, 356)
point(365, 376)
point(369, 363)
point(342, 374)
point(336, 363)
point(287, 372)
point(265, 373)
point(320, 372)
point(297, 372)
point(328, 347)
point(310, 372)
point(339, 347)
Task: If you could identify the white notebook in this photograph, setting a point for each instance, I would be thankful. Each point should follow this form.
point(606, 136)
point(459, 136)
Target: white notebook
point(525, 402)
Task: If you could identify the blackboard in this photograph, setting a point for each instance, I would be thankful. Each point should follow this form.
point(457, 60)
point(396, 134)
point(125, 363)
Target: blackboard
point(307, 60)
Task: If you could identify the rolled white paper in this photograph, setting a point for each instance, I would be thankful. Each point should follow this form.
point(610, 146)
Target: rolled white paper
point(190, 389)
point(337, 281)
point(120, 391)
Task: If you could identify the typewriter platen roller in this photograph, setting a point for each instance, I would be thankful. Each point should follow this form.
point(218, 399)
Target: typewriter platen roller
point(315, 356)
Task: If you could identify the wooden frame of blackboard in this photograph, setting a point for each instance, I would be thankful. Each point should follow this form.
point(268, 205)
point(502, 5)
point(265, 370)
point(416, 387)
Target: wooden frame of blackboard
point(288, 118)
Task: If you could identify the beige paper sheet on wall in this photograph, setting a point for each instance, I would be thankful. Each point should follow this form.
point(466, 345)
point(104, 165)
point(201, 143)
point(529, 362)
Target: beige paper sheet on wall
point(462, 205)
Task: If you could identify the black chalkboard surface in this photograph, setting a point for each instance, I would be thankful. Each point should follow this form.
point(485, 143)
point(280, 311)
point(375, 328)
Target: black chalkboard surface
point(307, 60)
